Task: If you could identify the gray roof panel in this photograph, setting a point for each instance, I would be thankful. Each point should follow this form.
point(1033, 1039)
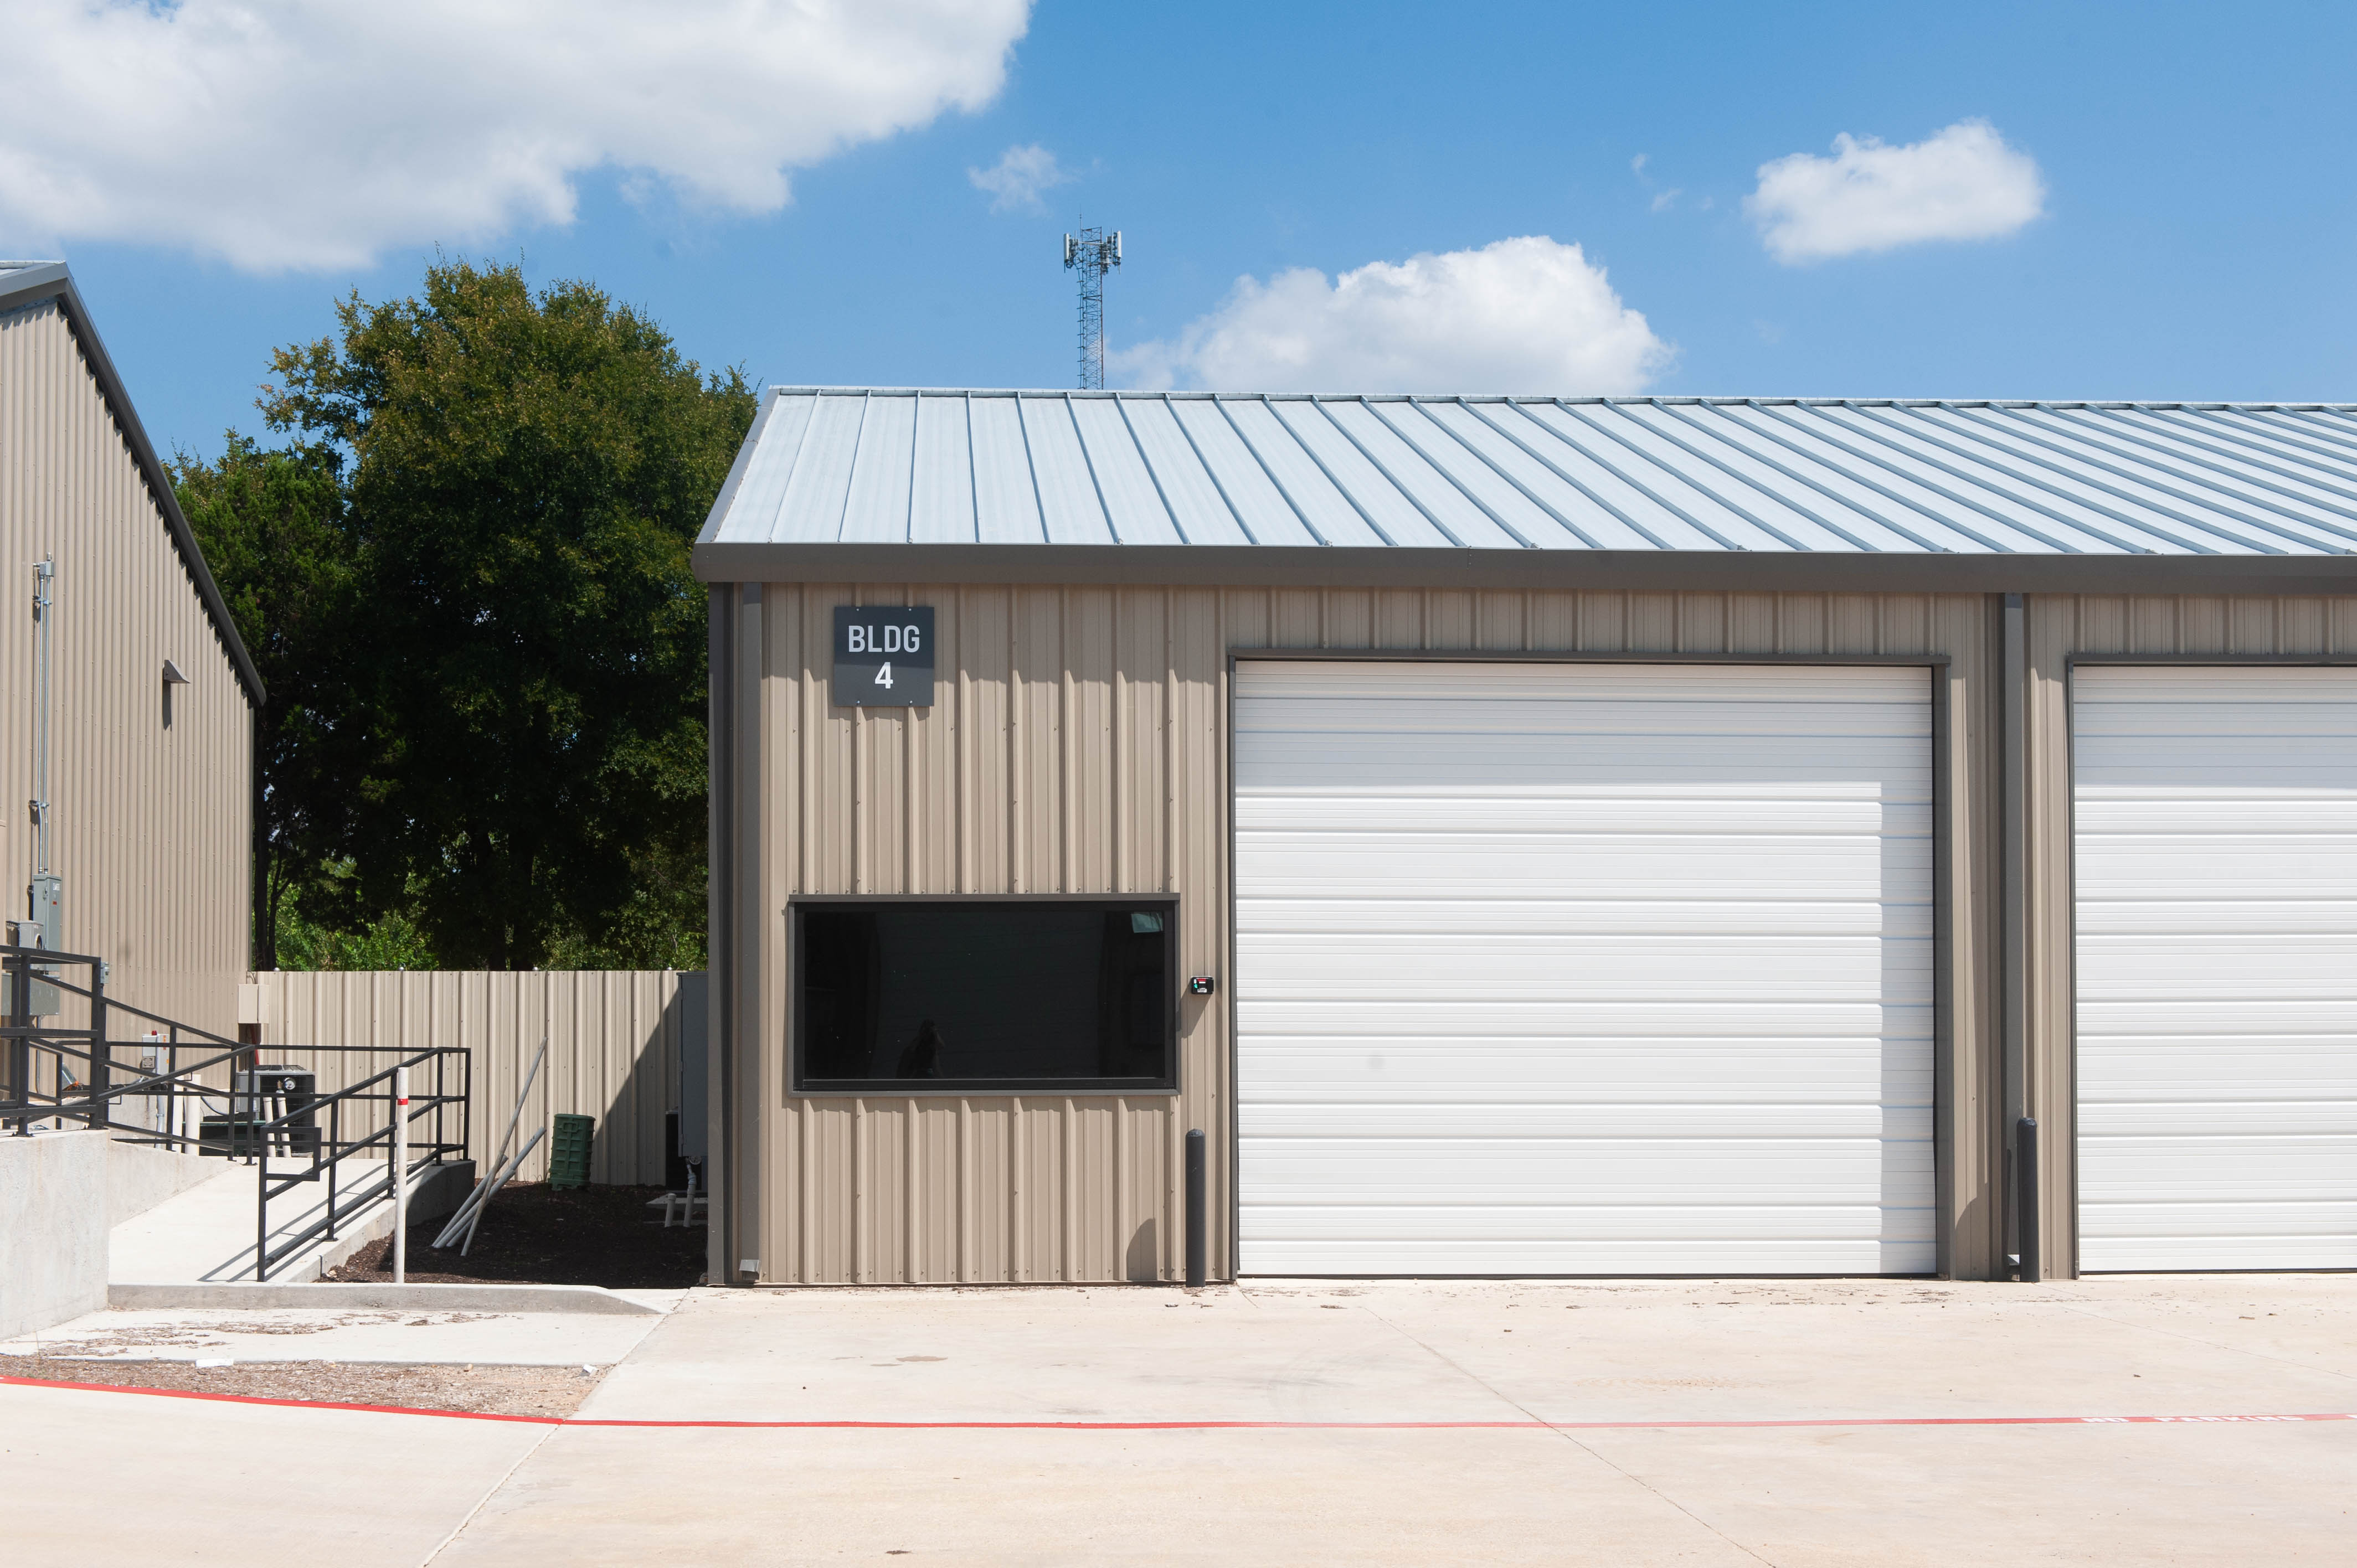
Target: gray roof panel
point(1771, 476)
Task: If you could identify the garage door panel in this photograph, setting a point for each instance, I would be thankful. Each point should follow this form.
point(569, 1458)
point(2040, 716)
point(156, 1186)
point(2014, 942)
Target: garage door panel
point(1392, 813)
point(2216, 842)
point(2212, 1019)
point(1608, 1072)
point(2271, 865)
point(1491, 1172)
point(1551, 916)
point(1533, 865)
point(1728, 1255)
point(1583, 969)
point(1646, 1222)
point(2225, 917)
point(1300, 968)
point(1376, 1018)
point(2157, 1070)
point(1379, 1118)
point(2313, 1220)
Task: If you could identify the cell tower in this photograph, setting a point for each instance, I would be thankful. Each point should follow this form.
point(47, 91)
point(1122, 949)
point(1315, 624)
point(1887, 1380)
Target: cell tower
point(1091, 252)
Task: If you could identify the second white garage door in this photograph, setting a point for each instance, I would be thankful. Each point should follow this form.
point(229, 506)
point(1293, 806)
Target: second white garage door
point(1583, 969)
point(2217, 967)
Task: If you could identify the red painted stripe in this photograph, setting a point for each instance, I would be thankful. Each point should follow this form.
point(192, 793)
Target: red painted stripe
point(1214, 1425)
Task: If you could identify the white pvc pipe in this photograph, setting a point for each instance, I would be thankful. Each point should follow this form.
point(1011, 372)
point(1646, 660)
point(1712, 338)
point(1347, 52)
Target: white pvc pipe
point(401, 1175)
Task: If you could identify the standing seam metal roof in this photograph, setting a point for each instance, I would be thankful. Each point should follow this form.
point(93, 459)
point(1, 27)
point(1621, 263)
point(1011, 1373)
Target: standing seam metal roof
point(910, 465)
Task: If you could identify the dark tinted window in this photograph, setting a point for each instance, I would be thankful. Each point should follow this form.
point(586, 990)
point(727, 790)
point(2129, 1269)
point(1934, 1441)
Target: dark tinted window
point(985, 994)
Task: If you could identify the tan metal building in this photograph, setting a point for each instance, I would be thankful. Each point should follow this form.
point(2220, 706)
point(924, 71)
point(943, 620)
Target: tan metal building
point(1559, 837)
point(146, 773)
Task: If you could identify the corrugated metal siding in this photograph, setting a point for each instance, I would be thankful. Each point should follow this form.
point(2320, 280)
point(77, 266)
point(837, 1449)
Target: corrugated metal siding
point(151, 823)
point(1079, 744)
point(2059, 625)
point(613, 1048)
point(1847, 476)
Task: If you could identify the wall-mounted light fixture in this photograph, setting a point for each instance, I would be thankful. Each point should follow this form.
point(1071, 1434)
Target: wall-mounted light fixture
point(172, 677)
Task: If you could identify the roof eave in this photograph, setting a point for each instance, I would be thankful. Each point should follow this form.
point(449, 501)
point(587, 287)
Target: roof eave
point(1211, 565)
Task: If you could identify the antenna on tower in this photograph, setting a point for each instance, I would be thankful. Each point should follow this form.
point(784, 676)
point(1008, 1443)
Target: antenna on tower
point(1091, 252)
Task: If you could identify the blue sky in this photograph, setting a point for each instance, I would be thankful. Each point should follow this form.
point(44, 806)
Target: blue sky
point(2189, 168)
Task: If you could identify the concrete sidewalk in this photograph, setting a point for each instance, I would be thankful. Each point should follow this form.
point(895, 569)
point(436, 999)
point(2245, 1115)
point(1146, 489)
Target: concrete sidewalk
point(207, 1232)
point(1628, 1351)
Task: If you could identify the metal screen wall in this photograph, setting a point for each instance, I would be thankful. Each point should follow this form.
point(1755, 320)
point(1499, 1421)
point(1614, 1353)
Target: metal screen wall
point(613, 1047)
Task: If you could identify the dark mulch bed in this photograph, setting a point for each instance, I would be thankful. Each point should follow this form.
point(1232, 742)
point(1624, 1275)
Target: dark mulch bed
point(536, 1234)
point(501, 1391)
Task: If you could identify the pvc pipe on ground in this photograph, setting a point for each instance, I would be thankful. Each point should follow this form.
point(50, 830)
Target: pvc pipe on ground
point(514, 1167)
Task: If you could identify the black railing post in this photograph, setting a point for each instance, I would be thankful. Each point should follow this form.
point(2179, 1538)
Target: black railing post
point(1198, 1236)
point(20, 1047)
point(2025, 1195)
point(102, 1062)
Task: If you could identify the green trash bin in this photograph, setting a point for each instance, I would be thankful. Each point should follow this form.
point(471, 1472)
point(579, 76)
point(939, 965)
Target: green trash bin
point(569, 1151)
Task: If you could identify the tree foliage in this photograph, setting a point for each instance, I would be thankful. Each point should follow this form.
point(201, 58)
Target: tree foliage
point(273, 528)
point(517, 729)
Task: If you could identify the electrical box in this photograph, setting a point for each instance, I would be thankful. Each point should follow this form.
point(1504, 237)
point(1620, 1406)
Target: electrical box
point(48, 910)
point(44, 996)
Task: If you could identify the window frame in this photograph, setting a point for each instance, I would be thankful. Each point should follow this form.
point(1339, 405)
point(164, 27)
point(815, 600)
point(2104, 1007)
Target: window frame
point(801, 1084)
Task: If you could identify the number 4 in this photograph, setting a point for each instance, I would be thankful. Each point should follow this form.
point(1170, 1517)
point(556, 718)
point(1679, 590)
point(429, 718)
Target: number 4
point(884, 676)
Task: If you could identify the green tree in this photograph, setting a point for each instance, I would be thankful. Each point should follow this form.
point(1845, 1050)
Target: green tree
point(273, 529)
point(526, 475)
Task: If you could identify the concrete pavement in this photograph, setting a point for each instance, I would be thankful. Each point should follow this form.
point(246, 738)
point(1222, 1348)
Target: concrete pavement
point(1314, 1351)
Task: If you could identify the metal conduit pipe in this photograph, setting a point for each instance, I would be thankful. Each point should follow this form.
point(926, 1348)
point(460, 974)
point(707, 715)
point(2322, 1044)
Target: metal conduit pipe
point(2020, 1209)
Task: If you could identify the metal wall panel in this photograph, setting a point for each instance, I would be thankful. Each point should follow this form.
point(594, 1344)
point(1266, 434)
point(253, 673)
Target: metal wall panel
point(1583, 969)
point(613, 1048)
point(1079, 744)
point(151, 818)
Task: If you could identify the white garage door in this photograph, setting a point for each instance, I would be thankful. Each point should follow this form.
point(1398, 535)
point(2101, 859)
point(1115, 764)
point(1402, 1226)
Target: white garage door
point(2217, 967)
point(1583, 969)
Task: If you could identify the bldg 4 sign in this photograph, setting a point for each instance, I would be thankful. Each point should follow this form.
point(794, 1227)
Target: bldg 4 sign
point(883, 657)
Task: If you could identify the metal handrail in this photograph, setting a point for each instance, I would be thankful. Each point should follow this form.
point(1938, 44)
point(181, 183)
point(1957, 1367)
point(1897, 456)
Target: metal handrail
point(97, 1103)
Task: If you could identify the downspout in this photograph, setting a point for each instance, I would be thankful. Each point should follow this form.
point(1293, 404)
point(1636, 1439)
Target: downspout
point(45, 573)
point(2021, 1211)
point(720, 951)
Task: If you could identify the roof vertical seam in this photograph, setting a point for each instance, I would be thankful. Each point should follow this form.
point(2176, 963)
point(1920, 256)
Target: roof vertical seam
point(1210, 473)
point(2289, 435)
point(2307, 417)
point(1405, 494)
point(916, 439)
point(1335, 480)
point(1121, 406)
point(2098, 463)
point(1679, 414)
point(1991, 453)
point(1498, 468)
point(2014, 524)
point(973, 469)
point(1375, 413)
point(1088, 461)
point(2084, 425)
point(1559, 471)
point(1031, 466)
point(851, 480)
point(793, 469)
point(1573, 413)
point(1254, 453)
point(1900, 529)
point(2129, 429)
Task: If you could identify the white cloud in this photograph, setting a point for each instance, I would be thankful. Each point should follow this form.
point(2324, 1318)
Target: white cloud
point(1520, 316)
point(1962, 184)
point(314, 133)
point(1018, 176)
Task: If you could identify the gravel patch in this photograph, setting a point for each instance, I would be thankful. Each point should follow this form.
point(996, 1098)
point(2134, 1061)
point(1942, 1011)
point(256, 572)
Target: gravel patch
point(492, 1391)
